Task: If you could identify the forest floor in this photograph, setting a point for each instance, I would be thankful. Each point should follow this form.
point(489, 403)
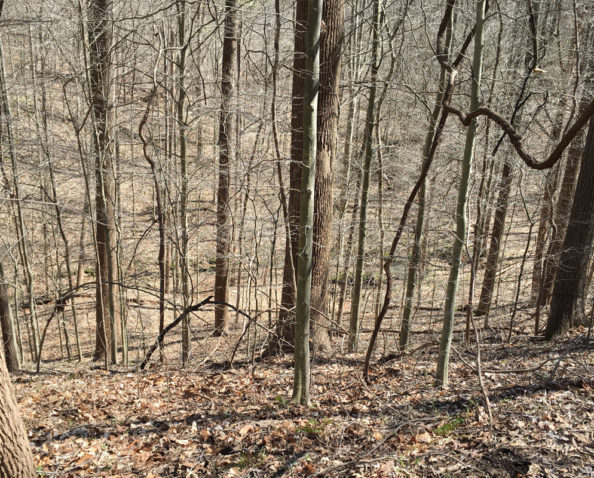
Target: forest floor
point(209, 420)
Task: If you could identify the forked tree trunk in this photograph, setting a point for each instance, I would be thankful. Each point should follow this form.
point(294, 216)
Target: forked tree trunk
point(226, 137)
point(330, 52)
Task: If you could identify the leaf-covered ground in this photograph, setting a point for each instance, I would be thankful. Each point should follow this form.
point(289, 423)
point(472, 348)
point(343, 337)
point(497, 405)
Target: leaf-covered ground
point(214, 421)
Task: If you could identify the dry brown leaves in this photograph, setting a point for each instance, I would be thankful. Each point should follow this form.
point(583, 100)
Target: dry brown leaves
point(239, 423)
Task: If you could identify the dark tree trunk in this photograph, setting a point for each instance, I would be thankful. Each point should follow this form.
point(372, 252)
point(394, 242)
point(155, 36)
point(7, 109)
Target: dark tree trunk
point(561, 216)
point(226, 126)
point(551, 182)
point(99, 75)
point(572, 272)
point(495, 246)
point(286, 319)
point(330, 50)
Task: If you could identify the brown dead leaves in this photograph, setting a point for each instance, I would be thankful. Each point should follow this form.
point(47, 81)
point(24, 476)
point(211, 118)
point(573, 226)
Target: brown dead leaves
point(235, 423)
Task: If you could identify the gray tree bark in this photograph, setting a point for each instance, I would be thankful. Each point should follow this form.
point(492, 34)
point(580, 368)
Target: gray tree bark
point(302, 378)
point(445, 344)
point(226, 133)
point(355, 318)
point(6, 324)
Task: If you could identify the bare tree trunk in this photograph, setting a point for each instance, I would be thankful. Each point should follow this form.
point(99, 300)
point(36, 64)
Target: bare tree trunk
point(561, 214)
point(380, 212)
point(99, 45)
point(6, 324)
point(572, 272)
point(80, 268)
point(302, 377)
point(330, 53)
point(485, 192)
point(41, 115)
point(584, 58)
point(7, 141)
point(344, 253)
point(286, 320)
point(530, 61)
point(226, 137)
point(159, 193)
point(368, 146)
point(496, 236)
point(180, 113)
point(550, 183)
point(415, 258)
point(16, 456)
point(445, 344)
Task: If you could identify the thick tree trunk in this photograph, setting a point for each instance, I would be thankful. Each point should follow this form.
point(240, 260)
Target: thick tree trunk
point(302, 377)
point(99, 75)
point(16, 459)
point(572, 271)
point(226, 126)
point(561, 214)
point(330, 52)
point(286, 320)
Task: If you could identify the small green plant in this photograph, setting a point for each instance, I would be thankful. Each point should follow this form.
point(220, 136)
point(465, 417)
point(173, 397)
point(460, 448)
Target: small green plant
point(450, 426)
point(251, 459)
point(282, 402)
point(314, 426)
